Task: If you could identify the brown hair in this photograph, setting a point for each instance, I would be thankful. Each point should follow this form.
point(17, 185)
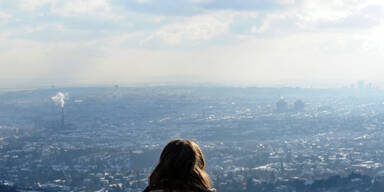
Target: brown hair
point(181, 167)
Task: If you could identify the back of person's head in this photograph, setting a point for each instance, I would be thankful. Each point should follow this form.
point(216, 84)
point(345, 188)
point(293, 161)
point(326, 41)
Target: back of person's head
point(181, 167)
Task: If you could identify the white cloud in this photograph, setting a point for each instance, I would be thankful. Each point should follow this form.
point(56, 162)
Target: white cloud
point(201, 1)
point(31, 5)
point(194, 28)
point(259, 30)
point(373, 41)
point(319, 16)
point(285, 2)
point(100, 8)
point(4, 16)
point(336, 10)
point(72, 8)
point(143, 1)
point(306, 39)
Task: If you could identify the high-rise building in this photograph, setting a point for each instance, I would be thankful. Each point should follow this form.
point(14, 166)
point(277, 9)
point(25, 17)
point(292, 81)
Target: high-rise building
point(299, 105)
point(361, 84)
point(281, 105)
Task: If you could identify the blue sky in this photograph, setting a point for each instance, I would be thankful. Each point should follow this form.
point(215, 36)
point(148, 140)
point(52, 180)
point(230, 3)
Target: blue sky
point(262, 42)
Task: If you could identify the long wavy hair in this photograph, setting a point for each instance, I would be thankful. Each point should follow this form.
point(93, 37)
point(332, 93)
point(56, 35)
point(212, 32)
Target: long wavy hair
point(181, 167)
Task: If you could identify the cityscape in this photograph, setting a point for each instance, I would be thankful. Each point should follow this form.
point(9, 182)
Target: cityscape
point(280, 95)
point(253, 138)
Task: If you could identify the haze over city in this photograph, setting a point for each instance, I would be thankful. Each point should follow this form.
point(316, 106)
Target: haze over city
point(308, 43)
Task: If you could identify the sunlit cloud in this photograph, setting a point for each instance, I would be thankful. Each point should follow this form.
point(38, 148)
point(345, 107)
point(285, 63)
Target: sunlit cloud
point(195, 28)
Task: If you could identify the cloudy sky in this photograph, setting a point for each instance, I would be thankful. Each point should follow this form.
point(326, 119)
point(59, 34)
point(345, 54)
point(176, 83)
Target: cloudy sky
point(44, 42)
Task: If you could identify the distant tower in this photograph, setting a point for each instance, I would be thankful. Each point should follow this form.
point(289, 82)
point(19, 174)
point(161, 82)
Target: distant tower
point(281, 105)
point(299, 105)
point(59, 99)
point(62, 118)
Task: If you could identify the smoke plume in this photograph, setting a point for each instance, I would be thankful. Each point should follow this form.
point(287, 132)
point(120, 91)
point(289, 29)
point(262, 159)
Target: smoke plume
point(59, 99)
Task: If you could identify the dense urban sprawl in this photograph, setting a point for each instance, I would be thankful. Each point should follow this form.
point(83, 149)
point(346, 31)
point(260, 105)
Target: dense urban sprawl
point(265, 139)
